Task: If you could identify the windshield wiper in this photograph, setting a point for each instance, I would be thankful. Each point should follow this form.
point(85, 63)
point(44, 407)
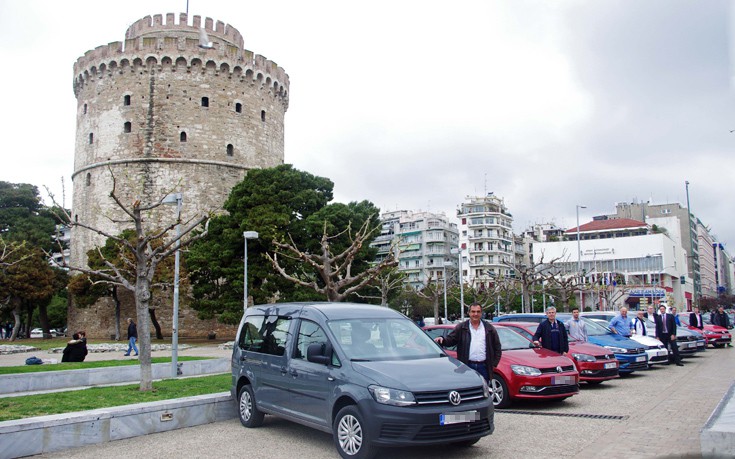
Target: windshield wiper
point(360, 360)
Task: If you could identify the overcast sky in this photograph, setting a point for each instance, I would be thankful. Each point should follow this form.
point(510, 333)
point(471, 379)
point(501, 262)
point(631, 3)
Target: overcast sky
point(417, 104)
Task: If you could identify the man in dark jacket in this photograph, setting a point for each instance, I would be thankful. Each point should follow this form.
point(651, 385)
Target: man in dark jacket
point(132, 336)
point(478, 343)
point(666, 333)
point(720, 318)
point(696, 320)
point(551, 333)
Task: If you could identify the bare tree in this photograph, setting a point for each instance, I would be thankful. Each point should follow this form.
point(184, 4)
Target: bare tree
point(334, 269)
point(386, 282)
point(135, 267)
point(531, 276)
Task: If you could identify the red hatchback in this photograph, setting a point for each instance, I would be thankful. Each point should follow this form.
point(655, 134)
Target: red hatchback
point(524, 372)
point(594, 363)
point(714, 334)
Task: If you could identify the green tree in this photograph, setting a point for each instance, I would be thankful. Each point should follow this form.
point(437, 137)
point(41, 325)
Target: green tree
point(23, 217)
point(274, 202)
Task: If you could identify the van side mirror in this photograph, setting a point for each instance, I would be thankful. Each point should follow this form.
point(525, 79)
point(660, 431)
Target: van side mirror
point(319, 353)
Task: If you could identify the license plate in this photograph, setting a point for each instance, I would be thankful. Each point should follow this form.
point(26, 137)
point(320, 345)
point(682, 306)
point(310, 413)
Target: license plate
point(559, 380)
point(660, 353)
point(459, 417)
point(611, 365)
point(640, 359)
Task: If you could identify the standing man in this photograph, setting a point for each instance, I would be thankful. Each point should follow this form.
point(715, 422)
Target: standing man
point(651, 314)
point(720, 318)
point(639, 325)
point(576, 326)
point(621, 324)
point(132, 336)
point(552, 334)
point(478, 343)
point(676, 316)
point(696, 320)
point(666, 333)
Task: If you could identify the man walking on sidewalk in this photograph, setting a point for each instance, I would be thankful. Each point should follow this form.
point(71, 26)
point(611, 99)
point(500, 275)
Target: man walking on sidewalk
point(132, 336)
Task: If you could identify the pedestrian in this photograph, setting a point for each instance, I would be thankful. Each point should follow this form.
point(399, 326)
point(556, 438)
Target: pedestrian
point(639, 325)
point(576, 327)
point(551, 334)
point(651, 313)
point(720, 318)
point(477, 341)
point(696, 320)
point(75, 350)
point(132, 336)
point(676, 316)
point(621, 324)
point(666, 333)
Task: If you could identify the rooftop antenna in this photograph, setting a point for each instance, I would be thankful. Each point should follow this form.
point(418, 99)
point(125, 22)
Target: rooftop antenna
point(187, 8)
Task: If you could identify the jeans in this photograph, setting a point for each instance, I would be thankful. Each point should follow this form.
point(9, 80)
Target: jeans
point(131, 345)
point(480, 368)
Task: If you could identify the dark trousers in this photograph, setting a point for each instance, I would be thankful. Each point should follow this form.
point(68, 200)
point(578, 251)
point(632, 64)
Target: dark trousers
point(669, 343)
point(480, 368)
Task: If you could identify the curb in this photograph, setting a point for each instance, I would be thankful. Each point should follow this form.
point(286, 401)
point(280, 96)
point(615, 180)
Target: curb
point(717, 437)
point(45, 434)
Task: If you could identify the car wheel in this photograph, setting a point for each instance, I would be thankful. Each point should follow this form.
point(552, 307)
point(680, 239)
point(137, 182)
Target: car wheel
point(249, 414)
point(350, 436)
point(718, 345)
point(501, 397)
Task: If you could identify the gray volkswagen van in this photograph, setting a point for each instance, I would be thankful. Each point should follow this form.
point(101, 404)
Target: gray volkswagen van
point(366, 374)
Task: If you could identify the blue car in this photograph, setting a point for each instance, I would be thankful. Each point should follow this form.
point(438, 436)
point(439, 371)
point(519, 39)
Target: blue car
point(631, 355)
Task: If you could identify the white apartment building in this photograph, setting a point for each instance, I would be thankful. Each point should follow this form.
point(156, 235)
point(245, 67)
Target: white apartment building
point(621, 259)
point(423, 242)
point(707, 264)
point(486, 239)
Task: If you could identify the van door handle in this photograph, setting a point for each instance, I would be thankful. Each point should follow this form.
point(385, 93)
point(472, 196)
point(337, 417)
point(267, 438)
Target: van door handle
point(283, 371)
point(294, 373)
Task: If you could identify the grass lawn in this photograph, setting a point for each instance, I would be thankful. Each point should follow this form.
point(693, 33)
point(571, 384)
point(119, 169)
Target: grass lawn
point(85, 365)
point(105, 397)
point(46, 344)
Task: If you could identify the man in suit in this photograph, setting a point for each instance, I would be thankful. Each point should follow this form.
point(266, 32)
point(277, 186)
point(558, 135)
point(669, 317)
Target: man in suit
point(651, 314)
point(695, 319)
point(551, 334)
point(666, 333)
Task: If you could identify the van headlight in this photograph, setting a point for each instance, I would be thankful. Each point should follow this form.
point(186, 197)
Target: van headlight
point(525, 371)
point(485, 388)
point(389, 396)
point(583, 357)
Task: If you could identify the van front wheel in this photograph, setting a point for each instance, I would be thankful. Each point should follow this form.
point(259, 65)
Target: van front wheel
point(248, 412)
point(350, 436)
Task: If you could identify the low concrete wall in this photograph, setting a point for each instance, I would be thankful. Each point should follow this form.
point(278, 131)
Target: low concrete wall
point(717, 437)
point(44, 434)
point(63, 379)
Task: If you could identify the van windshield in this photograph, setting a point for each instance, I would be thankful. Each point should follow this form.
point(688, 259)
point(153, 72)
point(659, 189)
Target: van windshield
point(383, 339)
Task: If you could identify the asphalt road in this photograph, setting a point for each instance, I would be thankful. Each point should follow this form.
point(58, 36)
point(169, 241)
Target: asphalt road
point(656, 413)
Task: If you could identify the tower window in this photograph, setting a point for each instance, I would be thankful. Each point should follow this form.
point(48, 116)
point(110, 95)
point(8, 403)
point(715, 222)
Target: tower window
point(230, 149)
point(238, 107)
point(182, 136)
point(88, 180)
point(85, 109)
point(262, 115)
point(91, 138)
point(127, 127)
point(126, 100)
point(205, 101)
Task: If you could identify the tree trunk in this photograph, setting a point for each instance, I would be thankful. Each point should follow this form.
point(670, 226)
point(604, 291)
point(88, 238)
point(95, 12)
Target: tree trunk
point(142, 301)
point(43, 318)
point(117, 313)
point(16, 316)
point(156, 325)
point(27, 326)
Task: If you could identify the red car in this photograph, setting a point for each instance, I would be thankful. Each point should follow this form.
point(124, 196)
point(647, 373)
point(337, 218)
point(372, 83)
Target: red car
point(714, 334)
point(524, 372)
point(594, 363)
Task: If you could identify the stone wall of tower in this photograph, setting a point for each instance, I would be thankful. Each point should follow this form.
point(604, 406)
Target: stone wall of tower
point(163, 115)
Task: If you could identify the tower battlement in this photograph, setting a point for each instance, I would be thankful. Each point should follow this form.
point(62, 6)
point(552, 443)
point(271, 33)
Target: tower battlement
point(151, 25)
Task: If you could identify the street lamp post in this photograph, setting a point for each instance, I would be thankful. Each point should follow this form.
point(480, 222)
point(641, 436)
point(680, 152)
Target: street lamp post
point(444, 275)
point(579, 257)
point(175, 198)
point(461, 281)
point(246, 235)
point(692, 243)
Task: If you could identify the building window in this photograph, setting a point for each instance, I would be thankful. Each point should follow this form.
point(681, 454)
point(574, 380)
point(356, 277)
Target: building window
point(238, 107)
point(182, 136)
point(230, 149)
point(262, 115)
point(88, 180)
point(127, 127)
point(126, 99)
point(205, 101)
point(91, 138)
point(85, 109)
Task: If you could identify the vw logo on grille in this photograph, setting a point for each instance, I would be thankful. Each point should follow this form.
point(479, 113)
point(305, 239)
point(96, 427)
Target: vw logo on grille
point(454, 397)
point(559, 370)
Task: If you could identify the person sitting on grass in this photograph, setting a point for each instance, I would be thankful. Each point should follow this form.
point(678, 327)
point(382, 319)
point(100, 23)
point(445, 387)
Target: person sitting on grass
point(76, 349)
